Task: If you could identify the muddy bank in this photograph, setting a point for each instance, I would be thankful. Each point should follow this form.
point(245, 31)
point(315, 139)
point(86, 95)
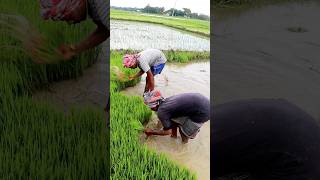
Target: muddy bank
point(269, 52)
point(91, 89)
point(138, 36)
point(175, 79)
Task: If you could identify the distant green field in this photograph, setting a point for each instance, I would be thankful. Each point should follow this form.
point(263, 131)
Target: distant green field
point(246, 3)
point(191, 25)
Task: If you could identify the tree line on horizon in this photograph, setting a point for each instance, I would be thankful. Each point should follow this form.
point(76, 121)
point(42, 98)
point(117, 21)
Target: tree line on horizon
point(185, 12)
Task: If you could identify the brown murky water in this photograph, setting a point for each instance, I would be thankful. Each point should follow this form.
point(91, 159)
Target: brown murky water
point(175, 79)
point(268, 52)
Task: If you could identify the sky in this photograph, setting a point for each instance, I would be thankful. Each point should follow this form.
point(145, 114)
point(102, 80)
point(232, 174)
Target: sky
point(198, 6)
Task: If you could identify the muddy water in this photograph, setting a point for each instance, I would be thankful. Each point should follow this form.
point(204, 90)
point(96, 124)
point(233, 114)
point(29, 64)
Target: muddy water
point(138, 36)
point(175, 79)
point(268, 52)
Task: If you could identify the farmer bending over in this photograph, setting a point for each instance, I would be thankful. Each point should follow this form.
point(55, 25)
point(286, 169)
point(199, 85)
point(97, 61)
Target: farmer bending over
point(75, 11)
point(150, 61)
point(188, 112)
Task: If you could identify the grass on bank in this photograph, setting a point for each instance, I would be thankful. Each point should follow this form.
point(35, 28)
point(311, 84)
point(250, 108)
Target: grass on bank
point(129, 158)
point(191, 25)
point(38, 141)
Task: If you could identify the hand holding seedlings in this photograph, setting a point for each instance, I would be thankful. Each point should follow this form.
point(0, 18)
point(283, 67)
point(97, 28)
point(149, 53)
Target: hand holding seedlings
point(131, 78)
point(149, 61)
point(148, 132)
point(67, 51)
point(75, 12)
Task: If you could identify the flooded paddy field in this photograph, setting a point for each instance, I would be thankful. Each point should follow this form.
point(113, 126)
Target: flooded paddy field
point(176, 79)
point(268, 52)
point(138, 36)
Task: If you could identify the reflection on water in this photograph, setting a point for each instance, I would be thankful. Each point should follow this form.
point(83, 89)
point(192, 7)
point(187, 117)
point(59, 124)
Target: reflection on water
point(139, 36)
point(175, 79)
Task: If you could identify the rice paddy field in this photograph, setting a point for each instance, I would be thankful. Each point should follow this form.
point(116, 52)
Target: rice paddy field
point(141, 35)
point(191, 25)
point(38, 141)
point(131, 159)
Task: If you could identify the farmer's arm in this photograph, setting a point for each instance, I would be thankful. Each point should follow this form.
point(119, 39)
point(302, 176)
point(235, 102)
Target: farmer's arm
point(137, 75)
point(97, 37)
point(150, 132)
point(150, 81)
point(94, 39)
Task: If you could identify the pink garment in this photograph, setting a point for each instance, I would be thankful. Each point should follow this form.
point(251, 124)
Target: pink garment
point(58, 9)
point(151, 98)
point(129, 60)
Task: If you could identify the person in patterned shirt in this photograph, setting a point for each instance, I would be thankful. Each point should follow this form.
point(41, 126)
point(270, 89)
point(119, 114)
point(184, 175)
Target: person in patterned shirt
point(75, 11)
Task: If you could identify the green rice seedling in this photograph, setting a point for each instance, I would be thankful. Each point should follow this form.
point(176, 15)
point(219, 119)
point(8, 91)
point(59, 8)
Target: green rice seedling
point(38, 141)
point(136, 125)
point(120, 75)
point(26, 38)
point(35, 135)
point(34, 44)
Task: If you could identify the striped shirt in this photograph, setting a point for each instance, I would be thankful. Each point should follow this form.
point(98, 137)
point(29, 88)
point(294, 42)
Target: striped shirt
point(99, 11)
point(149, 58)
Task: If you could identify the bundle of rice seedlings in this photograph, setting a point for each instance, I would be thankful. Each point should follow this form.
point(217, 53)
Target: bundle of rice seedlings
point(120, 75)
point(33, 42)
point(136, 125)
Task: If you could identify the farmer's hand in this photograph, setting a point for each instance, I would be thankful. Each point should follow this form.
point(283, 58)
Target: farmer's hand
point(174, 133)
point(67, 51)
point(148, 132)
